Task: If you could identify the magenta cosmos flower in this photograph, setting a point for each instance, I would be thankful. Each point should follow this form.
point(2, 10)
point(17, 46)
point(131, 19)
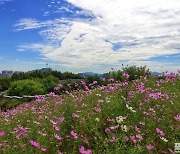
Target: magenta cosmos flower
point(83, 151)
point(160, 132)
point(1, 133)
point(74, 134)
point(36, 144)
point(149, 146)
point(43, 149)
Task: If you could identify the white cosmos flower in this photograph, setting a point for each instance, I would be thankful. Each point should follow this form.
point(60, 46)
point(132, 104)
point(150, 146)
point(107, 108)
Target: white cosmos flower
point(124, 128)
point(130, 108)
point(164, 139)
point(119, 119)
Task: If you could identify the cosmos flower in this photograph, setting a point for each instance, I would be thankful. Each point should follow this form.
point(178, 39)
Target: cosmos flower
point(124, 128)
point(74, 134)
point(160, 132)
point(36, 144)
point(119, 119)
point(83, 151)
point(97, 109)
point(149, 146)
point(1, 133)
point(43, 149)
point(74, 115)
point(164, 139)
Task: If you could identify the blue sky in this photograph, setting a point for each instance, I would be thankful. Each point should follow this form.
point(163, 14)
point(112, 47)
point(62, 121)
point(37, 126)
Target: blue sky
point(91, 35)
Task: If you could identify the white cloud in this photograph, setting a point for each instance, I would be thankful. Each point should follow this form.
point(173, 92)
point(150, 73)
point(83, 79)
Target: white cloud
point(143, 28)
point(4, 1)
point(28, 24)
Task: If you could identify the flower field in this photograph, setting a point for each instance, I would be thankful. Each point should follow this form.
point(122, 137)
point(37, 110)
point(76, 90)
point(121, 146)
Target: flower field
point(141, 116)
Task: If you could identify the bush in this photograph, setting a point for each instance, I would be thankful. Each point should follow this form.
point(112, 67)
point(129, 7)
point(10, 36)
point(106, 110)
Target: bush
point(4, 83)
point(6, 104)
point(26, 87)
point(136, 72)
point(49, 83)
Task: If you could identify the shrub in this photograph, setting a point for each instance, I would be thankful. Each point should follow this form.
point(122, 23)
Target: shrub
point(4, 83)
point(6, 104)
point(26, 87)
point(49, 83)
point(136, 72)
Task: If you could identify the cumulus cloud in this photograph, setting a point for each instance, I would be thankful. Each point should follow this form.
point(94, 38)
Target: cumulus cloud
point(121, 31)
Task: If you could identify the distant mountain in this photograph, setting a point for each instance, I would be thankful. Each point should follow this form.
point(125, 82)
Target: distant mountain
point(86, 74)
point(155, 73)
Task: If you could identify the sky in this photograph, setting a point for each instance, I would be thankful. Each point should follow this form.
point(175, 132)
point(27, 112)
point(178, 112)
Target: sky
point(89, 35)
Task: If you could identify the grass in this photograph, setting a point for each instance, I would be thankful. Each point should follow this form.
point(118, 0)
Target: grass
point(137, 117)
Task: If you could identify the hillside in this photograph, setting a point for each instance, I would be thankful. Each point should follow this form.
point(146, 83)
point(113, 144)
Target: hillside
point(141, 116)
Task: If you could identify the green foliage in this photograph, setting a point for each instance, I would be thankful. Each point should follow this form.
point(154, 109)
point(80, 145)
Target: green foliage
point(26, 87)
point(49, 83)
point(42, 75)
point(134, 72)
point(4, 83)
point(9, 103)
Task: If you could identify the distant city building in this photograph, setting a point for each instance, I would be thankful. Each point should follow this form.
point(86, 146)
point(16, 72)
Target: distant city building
point(7, 73)
point(42, 70)
point(17, 72)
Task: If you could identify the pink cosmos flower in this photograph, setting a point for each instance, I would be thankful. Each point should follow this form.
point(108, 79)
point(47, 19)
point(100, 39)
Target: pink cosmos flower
point(1, 133)
point(57, 137)
point(111, 80)
point(18, 136)
point(28, 121)
point(126, 75)
point(177, 117)
point(27, 105)
point(61, 119)
point(75, 115)
point(160, 132)
point(107, 131)
point(126, 138)
point(110, 120)
point(137, 129)
point(95, 82)
point(141, 123)
point(83, 151)
point(53, 122)
point(139, 136)
point(113, 139)
point(149, 146)
point(171, 151)
point(97, 109)
point(57, 128)
point(74, 134)
point(103, 79)
point(100, 101)
point(56, 88)
point(132, 137)
point(43, 149)
point(114, 127)
point(36, 144)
